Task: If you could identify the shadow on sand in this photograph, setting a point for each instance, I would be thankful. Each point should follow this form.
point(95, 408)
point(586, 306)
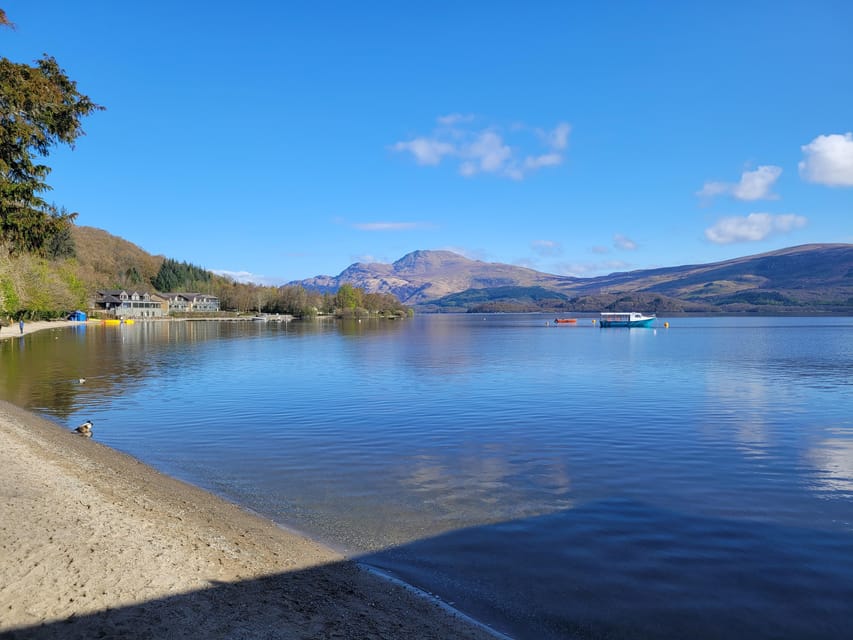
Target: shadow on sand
point(331, 601)
point(610, 569)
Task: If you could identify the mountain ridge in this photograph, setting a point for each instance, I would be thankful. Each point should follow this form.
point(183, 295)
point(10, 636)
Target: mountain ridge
point(816, 276)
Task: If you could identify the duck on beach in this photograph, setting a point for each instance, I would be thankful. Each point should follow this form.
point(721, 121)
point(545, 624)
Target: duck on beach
point(85, 429)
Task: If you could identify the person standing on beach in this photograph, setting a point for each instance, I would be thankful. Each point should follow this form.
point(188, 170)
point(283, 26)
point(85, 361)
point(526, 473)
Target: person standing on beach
point(21, 325)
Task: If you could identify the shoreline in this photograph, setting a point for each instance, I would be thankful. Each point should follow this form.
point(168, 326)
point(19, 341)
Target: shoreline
point(13, 331)
point(94, 543)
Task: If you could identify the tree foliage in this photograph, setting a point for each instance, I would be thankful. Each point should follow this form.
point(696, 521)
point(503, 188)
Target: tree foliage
point(180, 276)
point(348, 297)
point(40, 107)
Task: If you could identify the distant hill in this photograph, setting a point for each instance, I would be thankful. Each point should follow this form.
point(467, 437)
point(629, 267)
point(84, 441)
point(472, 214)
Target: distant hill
point(807, 278)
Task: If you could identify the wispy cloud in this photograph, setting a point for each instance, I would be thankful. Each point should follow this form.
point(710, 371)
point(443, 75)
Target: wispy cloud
point(589, 269)
point(455, 118)
point(426, 151)
point(753, 185)
point(248, 277)
point(390, 226)
point(754, 227)
point(546, 248)
point(488, 149)
point(488, 153)
point(829, 160)
point(557, 138)
point(367, 258)
point(624, 243)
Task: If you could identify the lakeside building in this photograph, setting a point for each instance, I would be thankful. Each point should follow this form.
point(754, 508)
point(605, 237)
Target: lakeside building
point(143, 304)
point(131, 304)
point(191, 302)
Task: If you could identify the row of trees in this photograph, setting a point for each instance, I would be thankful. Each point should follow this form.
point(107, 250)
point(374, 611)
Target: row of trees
point(181, 276)
point(300, 302)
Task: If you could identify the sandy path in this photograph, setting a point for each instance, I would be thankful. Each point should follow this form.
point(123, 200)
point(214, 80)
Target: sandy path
point(95, 544)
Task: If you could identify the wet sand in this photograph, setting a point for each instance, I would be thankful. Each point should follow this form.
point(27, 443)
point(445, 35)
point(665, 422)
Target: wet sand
point(94, 543)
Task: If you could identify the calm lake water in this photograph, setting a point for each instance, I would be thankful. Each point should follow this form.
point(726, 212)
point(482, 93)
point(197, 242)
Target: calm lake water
point(552, 481)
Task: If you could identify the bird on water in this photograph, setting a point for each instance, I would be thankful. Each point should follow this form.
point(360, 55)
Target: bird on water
point(85, 429)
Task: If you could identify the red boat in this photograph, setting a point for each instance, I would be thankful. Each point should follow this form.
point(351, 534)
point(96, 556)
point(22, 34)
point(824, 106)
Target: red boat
point(565, 320)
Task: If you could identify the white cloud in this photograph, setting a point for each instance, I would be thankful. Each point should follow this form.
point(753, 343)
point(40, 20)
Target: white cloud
point(756, 185)
point(365, 258)
point(829, 160)
point(248, 277)
point(624, 242)
point(711, 189)
point(558, 137)
point(754, 227)
point(425, 150)
point(454, 118)
point(546, 247)
point(588, 269)
point(753, 185)
point(545, 160)
point(488, 152)
point(479, 150)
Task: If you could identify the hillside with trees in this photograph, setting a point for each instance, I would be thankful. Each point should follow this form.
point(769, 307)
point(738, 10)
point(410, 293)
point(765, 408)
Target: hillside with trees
point(36, 287)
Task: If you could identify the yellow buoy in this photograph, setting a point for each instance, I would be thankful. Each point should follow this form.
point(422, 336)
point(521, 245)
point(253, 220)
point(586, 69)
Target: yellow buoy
point(666, 325)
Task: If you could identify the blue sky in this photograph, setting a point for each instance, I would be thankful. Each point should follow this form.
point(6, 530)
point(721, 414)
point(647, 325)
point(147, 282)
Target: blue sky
point(281, 140)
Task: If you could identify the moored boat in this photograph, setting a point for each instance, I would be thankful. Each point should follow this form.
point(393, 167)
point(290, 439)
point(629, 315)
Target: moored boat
point(625, 319)
point(565, 320)
point(117, 321)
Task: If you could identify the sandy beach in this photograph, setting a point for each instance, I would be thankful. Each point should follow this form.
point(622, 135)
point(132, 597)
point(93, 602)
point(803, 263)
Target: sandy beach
point(14, 331)
point(93, 543)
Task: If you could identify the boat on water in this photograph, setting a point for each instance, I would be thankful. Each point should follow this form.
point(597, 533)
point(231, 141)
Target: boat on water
point(565, 320)
point(625, 319)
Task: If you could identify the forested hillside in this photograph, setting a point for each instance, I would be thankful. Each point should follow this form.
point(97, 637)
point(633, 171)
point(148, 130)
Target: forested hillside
point(33, 286)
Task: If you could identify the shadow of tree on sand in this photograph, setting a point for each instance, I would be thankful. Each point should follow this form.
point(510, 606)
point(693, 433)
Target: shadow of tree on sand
point(330, 601)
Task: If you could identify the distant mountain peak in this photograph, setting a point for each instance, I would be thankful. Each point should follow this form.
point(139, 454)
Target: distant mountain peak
point(422, 261)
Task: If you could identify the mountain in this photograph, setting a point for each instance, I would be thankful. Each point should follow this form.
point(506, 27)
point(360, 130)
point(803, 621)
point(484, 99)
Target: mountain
point(814, 277)
point(423, 276)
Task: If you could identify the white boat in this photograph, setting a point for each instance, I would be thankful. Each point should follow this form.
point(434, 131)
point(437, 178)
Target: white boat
point(625, 319)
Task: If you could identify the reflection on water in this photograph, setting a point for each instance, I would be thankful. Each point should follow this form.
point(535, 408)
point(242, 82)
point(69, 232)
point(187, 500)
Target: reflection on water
point(707, 467)
point(832, 459)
